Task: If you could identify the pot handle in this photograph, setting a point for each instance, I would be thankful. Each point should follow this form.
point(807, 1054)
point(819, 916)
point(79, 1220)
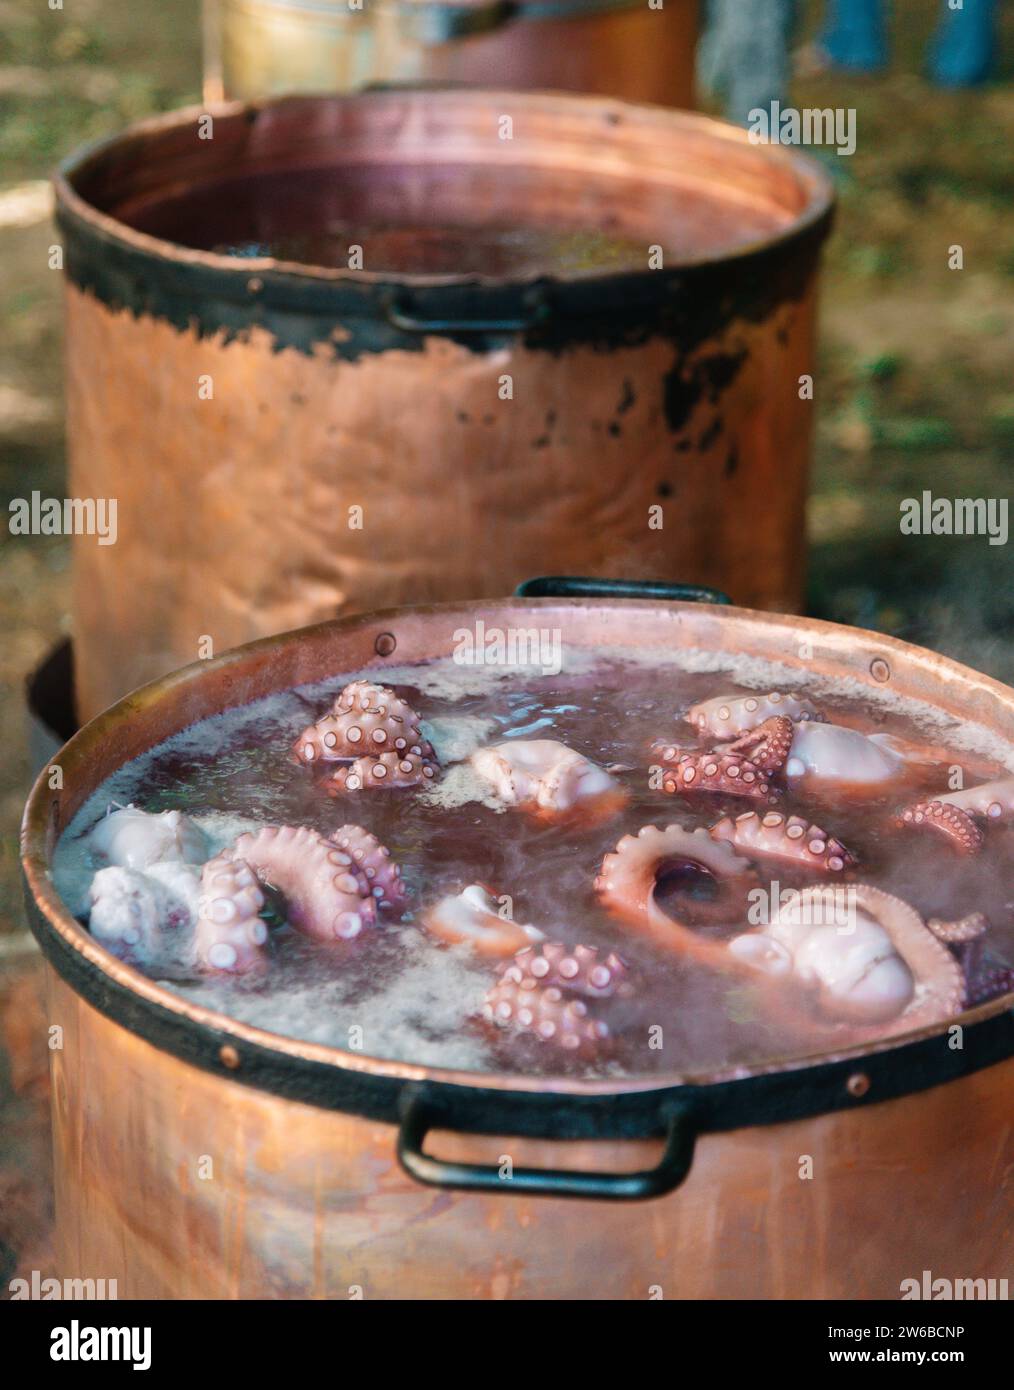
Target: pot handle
point(672, 1168)
point(574, 586)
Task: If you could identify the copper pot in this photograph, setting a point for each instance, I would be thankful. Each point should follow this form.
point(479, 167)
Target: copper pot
point(619, 48)
point(237, 409)
point(200, 1157)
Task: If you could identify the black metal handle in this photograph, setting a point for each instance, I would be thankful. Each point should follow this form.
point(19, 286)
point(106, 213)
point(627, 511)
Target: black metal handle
point(672, 1168)
point(574, 586)
point(402, 318)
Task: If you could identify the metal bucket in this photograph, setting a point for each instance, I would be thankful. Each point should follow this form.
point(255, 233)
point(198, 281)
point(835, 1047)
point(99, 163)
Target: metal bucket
point(619, 48)
point(321, 1160)
point(648, 421)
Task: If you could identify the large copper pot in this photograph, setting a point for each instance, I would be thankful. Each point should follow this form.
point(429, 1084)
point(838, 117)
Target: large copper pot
point(618, 48)
point(200, 1157)
point(238, 409)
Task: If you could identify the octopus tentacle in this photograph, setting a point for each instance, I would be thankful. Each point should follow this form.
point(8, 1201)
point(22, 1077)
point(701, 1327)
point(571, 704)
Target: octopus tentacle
point(994, 800)
point(579, 969)
point(789, 838)
point(717, 772)
point(985, 978)
point(550, 994)
point(964, 929)
point(386, 771)
point(548, 780)
point(767, 746)
point(366, 719)
point(473, 916)
point(379, 875)
point(630, 874)
point(858, 983)
point(727, 716)
point(324, 898)
point(948, 820)
point(229, 935)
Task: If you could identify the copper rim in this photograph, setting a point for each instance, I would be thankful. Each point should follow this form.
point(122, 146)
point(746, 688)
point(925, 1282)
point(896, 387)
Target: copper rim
point(251, 671)
point(810, 177)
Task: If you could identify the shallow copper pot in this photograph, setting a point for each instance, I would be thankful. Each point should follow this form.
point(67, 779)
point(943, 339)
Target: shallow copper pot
point(656, 425)
point(619, 48)
point(200, 1157)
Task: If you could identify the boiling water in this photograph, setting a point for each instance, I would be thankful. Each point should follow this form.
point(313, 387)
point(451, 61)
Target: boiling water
point(397, 992)
point(453, 220)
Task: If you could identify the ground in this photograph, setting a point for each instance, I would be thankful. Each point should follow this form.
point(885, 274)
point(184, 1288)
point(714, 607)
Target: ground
point(914, 388)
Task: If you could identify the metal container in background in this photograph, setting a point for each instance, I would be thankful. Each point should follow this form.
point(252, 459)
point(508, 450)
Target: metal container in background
point(619, 48)
point(644, 421)
point(318, 1154)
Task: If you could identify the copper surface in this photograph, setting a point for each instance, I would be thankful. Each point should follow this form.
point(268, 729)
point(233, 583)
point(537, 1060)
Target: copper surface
point(180, 1184)
point(301, 1202)
point(635, 52)
point(233, 512)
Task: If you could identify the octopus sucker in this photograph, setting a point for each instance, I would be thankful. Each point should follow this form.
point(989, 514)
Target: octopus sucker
point(789, 838)
point(379, 875)
point(948, 820)
point(580, 969)
point(985, 978)
point(630, 874)
point(725, 773)
point(230, 935)
point(960, 931)
point(550, 994)
point(878, 973)
point(728, 716)
point(386, 772)
point(473, 916)
point(767, 746)
point(325, 897)
point(993, 800)
point(548, 780)
point(365, 719)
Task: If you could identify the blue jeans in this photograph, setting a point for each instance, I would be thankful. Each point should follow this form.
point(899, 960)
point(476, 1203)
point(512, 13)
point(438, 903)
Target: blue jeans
point(961, 52)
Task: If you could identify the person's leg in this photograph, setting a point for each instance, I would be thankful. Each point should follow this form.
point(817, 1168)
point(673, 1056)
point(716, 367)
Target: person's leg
point(963, 48)
point(854, 35)
point(744, 54)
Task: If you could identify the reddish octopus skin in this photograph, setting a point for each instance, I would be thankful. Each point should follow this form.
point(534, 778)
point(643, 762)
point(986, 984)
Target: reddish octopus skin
point(629, 874)
point(390, 770)
point(788, 838)
point(472, 917)
point(947, 820)
point(365, 720)
point(767, 746)
point(993, 800)
point(549, 992)
point(723, 773)
point(626, 885)
point(939, 981)
point(723, 716)
point(985, 979)
point(330, 888)
point(380, 876)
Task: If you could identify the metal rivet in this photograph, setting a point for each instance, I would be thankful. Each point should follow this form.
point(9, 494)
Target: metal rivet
point(255, 284)
point(385, 644)
point(879, 669)
point(228, 1056)
point(858, 1084)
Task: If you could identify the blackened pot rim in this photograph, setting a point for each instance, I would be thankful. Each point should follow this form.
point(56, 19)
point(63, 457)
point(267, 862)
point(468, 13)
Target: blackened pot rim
point(233, 274)
point(561, 1107)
